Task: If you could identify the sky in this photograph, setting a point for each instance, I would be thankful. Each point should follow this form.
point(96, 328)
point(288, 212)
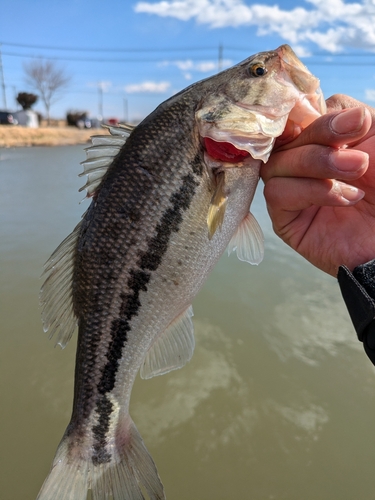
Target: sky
point(125, 57)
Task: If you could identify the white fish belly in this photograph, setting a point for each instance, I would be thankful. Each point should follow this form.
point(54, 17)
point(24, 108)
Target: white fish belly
point(190, 257)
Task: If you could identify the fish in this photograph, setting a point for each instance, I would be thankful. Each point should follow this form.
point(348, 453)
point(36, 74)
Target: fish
point(167, 198)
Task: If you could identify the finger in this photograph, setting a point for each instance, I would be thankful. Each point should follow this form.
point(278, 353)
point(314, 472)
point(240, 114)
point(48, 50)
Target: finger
point(321, 162)
point(291, 131)
point(286, 198)
point(333, 129)
point(339, 102)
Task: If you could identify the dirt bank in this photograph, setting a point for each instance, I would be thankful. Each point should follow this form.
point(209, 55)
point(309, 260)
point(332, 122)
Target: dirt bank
point(13, 137)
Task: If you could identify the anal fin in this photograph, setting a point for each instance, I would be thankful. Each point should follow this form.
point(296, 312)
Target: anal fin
point(173, 348)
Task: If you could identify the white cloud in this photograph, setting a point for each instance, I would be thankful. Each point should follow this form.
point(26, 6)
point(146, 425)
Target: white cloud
point(105, 85)
point(187, 66)
point(301, 51)
point(148, 87)
point(182, 65)
point(330, 24)
point(206, 66)
point(370, 94)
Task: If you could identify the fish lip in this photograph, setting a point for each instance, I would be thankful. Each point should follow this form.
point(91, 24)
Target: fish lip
point(298, 73)
point(287, 55)
point(302, 78)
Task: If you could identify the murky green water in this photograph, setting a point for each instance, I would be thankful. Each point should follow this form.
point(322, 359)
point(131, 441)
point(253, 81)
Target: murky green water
point(277, 403)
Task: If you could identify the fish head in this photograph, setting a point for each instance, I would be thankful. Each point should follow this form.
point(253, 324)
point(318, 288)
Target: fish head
point(248, 105)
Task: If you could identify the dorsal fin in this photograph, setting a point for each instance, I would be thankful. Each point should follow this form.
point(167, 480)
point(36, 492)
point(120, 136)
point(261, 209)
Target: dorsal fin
point(100, 155)
point(248, 241)
point(173, 349)
point(56, 292)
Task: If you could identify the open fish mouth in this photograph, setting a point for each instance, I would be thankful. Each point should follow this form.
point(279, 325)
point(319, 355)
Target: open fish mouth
point(230, 151)
point(284, 90)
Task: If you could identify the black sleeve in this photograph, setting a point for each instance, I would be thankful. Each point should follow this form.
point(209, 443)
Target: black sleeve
point(358, 291)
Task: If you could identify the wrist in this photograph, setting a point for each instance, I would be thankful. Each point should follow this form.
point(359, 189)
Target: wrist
point(358, 291)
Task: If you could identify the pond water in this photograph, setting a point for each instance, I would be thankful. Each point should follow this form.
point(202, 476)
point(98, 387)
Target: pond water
point(278, 401)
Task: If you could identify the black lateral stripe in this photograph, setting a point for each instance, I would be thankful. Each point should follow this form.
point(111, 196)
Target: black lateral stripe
point(170, 222)
point(149, 260)
point(104, 409)
point(137, 282)
point(120, 327)
point(197, 163)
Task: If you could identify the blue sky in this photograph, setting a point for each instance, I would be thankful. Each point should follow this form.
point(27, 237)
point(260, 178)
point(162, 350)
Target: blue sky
point(141, 52)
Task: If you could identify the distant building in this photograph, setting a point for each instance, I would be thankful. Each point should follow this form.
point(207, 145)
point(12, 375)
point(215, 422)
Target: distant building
point(27, 118)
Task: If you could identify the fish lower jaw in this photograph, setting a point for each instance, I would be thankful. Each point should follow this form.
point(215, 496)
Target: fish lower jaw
point(216, 166)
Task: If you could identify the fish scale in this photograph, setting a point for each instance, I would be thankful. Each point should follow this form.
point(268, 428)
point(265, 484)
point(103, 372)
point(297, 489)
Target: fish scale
point(162, 213)
point(116, 232)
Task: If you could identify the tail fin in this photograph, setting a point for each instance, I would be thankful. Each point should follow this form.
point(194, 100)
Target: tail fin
point(130, 469)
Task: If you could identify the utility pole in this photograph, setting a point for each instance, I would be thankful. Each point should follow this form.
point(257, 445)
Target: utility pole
point(100, 89)
point(125, 110)
point(2, 80)
point(220, 59)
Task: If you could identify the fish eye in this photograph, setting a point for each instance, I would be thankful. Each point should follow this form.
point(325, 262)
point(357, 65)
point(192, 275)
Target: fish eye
point(257, 69)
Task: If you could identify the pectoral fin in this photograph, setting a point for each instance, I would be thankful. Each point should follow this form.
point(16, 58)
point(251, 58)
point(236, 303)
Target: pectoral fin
point(173, 349)
point(216, 211)
point(248, 241)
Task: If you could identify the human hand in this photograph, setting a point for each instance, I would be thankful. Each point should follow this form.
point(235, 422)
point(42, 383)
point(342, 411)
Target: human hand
point(320, 195)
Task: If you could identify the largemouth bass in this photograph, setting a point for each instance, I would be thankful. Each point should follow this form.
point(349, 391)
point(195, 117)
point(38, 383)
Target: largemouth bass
point(168, 197)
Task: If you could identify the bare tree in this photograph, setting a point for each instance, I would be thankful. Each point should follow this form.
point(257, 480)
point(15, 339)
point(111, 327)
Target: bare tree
point(48, 79)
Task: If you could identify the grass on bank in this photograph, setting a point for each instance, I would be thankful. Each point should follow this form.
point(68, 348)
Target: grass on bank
point(16, 136)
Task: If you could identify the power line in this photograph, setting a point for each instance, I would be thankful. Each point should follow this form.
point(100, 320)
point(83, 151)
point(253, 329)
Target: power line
point(343, 63)
point(106, 49)
point(158, 60)
point(313, 54)
point(173, 49)
point(83, 59)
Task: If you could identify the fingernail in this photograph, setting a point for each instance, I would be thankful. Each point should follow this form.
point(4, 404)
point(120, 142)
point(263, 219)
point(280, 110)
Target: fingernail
point(348, 121)
point(349, 193)
point(348, 160)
